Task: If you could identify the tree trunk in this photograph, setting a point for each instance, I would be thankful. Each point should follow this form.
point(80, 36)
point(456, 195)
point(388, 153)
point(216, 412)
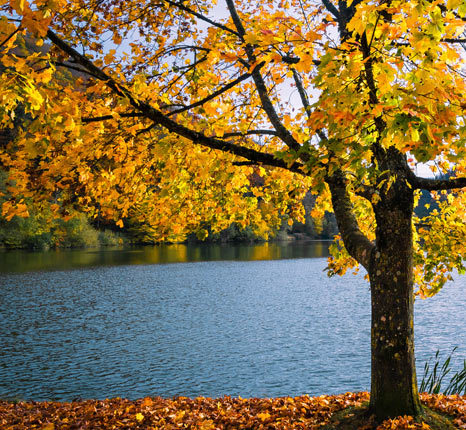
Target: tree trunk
point(389, 263)
point(393, 381)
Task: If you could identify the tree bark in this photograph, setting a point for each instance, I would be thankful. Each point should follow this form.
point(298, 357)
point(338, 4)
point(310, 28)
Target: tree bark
point(393, 377)
point(389, 263)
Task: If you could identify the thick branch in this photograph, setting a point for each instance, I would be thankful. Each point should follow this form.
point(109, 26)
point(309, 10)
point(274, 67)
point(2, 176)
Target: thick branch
point(85, 62)
point(214, 143)
point(267, 104)
point(244, 163)
point(159, 118)
point(71, 67)
point(366, 192)
point(373, 99)
point(356, 243)
point(331, 8)
point(437, 184)
point(453, 40)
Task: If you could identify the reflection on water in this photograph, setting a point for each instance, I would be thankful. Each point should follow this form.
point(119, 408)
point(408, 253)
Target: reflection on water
point(24, 261)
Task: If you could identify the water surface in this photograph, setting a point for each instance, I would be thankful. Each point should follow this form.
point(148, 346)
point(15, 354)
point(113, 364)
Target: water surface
point(118, 326)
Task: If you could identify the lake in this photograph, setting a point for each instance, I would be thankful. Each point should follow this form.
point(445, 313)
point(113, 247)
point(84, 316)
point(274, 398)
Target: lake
point(261, 320)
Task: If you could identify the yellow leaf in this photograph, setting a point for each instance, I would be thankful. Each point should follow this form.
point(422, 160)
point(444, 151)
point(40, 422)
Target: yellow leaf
point(206, 425)
point(453, 4)
point(139, 416)
point(263, 416)
point(120, 223)
point(45, 76)
point(251, 39)
point(179, 416)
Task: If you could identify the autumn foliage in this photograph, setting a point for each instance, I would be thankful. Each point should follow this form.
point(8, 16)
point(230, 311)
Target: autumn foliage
point(159, 113)
point(202, 413)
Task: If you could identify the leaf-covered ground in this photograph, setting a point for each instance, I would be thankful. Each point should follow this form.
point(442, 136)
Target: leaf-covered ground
point(205, 413)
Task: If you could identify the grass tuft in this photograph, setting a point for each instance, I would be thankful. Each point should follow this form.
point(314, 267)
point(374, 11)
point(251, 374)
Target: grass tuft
point(434, 376)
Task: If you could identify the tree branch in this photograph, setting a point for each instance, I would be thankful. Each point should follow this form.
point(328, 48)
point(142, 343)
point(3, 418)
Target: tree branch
point(267, 104)
point(159, 118)
point(356, 243)
point(366, 192)
point(453, 40)
point(93, 69)
point(302, 92)
point(447, 40)
point(244, 163)
point(216, 93)
point(87, 120)
point(202, 17)
point(436, 184)
point(305, 102)
point(71, 67)
point(288, 59)
point(331, 8)
point(10, 36)
point(247, 133)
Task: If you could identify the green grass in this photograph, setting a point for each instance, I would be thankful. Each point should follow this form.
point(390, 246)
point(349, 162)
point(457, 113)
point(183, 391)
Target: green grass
point(435, 377)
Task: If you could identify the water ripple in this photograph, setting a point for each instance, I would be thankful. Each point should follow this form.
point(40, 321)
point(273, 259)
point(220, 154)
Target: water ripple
point(262, 328)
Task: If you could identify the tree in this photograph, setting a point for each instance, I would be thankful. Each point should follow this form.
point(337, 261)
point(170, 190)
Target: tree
point(173, 111)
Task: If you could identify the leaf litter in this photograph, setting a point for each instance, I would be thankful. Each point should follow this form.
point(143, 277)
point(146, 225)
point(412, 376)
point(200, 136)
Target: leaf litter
point(203, 413)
